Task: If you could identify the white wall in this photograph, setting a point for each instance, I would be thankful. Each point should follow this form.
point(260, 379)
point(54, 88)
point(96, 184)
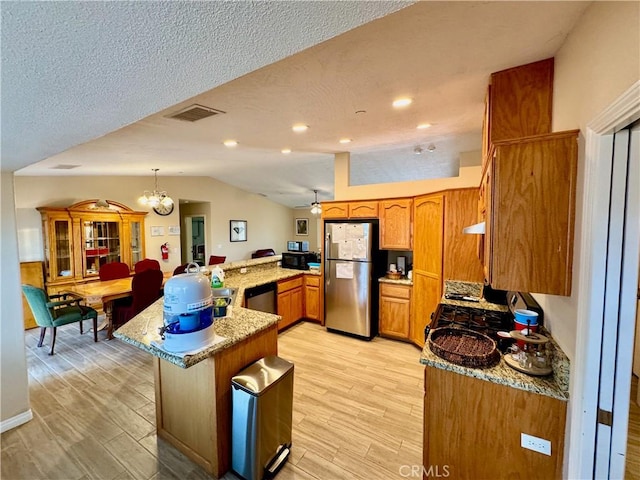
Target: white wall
point(14, 393)
point(314, 229)
point(469, 176)
point(599, 60)
point(269, 224)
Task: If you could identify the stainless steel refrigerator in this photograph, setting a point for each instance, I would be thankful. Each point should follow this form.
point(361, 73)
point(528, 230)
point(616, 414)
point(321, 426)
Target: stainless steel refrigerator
point(350, 289)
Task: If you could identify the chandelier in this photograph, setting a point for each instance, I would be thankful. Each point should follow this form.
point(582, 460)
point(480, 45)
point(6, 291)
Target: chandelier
point(155, 198)
point(316, 208)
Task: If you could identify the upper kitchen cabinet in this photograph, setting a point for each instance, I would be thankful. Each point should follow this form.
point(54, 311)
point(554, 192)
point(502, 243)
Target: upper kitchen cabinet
point(528, 197)
point(461, 260)
point(337, 210)
point(81, 238)
point(363, 209)
point(518, 103)
point(396, 223)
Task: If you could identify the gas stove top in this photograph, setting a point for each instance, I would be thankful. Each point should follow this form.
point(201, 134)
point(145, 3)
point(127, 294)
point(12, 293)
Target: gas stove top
point(487, 322)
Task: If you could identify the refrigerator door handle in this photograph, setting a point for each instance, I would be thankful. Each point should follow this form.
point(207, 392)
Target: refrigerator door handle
point(327, 244)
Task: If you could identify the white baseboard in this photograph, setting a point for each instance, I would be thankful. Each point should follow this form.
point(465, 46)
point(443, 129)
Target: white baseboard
point(16, 421)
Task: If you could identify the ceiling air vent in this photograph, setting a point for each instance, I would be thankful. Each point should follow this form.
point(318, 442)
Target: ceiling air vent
point(195, 113)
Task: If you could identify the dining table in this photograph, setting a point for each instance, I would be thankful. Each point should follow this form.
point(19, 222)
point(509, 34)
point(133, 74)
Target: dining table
point(107, 292)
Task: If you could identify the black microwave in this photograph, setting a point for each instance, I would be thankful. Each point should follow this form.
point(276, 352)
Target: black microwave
point(293, 246)
point(298, 260)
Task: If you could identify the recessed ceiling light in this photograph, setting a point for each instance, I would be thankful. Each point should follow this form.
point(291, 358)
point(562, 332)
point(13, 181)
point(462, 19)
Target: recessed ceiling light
point(230, 143)
point(345, 140)
point(402, 102)
point(423, 126)
point(300, 127)
point(286, 151)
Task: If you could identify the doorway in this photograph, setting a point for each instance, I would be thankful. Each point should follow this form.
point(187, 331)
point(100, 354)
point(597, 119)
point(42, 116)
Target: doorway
point(606, 313)
point(194, 236)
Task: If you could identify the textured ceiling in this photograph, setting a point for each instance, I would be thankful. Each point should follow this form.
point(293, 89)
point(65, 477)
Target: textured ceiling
point(438, 53)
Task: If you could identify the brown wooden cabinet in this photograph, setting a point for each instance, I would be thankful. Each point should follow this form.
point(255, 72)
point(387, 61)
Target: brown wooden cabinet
point(363, 209)
point(312, 296)
point(520, 101)
point(474, 427)
point(428, 215)
point(395, 310)
point(529, 191)
point(335, 210)
point(460, 257)
point(395, 223)
point(358, 209)
point(31, 273)
point(81, 238)
point(290, 301)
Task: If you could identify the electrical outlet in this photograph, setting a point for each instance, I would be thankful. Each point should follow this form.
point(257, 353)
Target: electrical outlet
point(536, 444)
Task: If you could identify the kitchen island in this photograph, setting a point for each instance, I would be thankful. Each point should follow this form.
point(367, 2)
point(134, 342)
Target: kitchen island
point(193, 392)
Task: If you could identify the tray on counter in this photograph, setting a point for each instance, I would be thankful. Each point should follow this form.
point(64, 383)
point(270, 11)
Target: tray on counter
point(464, 347)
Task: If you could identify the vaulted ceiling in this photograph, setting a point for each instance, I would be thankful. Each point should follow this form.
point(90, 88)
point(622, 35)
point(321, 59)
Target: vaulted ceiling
point(93, 84)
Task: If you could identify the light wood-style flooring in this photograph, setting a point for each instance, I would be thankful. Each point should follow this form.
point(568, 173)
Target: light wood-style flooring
point(357, 411)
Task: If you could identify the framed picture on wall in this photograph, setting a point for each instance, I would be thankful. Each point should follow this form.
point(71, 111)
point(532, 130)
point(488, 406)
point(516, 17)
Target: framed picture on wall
point(302, 226)
point(238, 230)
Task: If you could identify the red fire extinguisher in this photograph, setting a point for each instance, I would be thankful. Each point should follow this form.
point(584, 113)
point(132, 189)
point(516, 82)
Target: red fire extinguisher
point(164, 249)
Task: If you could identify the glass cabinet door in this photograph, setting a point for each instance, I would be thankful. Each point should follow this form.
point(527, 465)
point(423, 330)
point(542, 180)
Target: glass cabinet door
point(136, 242)
point(63, 262)
point(101, 245)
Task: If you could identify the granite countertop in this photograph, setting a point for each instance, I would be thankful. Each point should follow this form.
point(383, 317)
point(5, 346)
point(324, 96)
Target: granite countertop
point(555, 385)
point(402, 281)
point(240, 324)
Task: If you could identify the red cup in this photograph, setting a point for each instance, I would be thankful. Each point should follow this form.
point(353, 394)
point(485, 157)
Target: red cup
point(521, 327)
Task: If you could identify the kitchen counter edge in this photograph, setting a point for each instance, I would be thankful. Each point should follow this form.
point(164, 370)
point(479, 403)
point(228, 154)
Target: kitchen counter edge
point(554, 386)
point(241, 324)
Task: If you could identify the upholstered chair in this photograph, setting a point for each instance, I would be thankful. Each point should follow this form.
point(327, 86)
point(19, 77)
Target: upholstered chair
point(146, 288)
point(57, 310)
point(146, 264)
point(114, 270)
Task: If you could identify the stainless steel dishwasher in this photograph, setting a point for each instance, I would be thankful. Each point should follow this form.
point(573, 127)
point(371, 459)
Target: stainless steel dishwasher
point(262, 298)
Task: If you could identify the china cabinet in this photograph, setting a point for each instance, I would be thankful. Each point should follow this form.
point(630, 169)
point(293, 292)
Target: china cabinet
point(81, 238)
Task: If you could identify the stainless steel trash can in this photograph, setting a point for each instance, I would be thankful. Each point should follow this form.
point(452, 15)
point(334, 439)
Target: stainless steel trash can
point(262, 406)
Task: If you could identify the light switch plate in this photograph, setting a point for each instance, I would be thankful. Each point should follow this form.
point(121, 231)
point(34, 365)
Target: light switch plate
point(536, 444)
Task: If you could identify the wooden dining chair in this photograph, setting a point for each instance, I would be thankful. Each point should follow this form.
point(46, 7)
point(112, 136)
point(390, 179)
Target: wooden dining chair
point(114, 270)
point(216, 260)
point(146, 264)
point(146, 288)
point(57, 310)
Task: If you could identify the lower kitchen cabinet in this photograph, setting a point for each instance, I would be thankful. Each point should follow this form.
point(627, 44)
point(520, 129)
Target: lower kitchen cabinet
point(290, 301)
point(395, 310)
point(473, 428)
point(312, 297)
